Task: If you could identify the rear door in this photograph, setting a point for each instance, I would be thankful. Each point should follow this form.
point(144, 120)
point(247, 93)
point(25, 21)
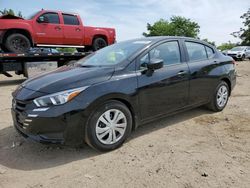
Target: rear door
point(51, 32)
point(166, 90)
point(202, 63)
point(73, 32)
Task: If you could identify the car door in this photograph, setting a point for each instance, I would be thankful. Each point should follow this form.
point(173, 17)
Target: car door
point(50, 31)
point(166, 90)
point(248, 52)
point(201, 61)
point(73, 33)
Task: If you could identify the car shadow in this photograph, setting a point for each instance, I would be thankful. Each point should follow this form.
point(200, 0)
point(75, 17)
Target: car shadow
point(18, 153)
point(11, 82)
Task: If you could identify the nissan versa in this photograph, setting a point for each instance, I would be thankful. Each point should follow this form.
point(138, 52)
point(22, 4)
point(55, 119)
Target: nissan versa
point(106, 95)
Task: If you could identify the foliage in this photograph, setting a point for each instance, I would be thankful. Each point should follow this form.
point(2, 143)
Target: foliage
point(226, 46)
point(244, 33)
point(10, 12)
point(177, 26)
point(66, 50)
point(209, 42)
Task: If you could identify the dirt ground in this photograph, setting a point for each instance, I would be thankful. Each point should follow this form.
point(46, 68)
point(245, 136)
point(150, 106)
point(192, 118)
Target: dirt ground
point(196, 148)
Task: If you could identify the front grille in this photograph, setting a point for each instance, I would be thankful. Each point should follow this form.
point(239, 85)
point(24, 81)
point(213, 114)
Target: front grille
point(19, 105)
point(21, 119)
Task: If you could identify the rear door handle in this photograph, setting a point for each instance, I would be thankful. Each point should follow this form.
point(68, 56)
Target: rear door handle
point(78, 29)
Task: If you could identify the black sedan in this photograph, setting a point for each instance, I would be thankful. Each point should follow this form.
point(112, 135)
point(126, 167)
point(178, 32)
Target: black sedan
point(106, 95)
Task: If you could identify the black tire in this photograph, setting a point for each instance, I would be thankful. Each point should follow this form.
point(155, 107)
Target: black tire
point(90, 130)
point(99, 43)
point(3, 48)
point(17, 43)
point(243, 57)
point(213, 104)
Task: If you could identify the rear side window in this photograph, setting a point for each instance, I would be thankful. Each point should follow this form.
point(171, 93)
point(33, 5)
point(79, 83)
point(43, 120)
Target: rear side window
point(70, 19)
point(210, 52)
point(196, 51)
point(51, 17)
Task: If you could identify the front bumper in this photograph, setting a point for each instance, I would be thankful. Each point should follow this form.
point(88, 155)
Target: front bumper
point(235, 56)
point(64, 129)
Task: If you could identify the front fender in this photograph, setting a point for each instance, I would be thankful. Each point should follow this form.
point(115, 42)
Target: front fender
point(16, 24)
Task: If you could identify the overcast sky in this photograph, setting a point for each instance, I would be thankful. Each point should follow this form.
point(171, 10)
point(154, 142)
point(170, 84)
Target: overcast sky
point(217, 18)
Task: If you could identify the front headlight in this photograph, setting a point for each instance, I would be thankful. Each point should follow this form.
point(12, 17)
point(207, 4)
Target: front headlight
point(58, 98)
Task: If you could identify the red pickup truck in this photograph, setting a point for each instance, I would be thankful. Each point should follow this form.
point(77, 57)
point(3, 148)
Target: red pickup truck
point(51, 29)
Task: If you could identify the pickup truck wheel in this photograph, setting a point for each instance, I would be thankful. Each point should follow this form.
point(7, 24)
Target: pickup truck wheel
point(17, 43)
point(99, 43)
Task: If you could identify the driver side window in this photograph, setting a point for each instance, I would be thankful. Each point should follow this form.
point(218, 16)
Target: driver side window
point(169, 52)
point(50, 18)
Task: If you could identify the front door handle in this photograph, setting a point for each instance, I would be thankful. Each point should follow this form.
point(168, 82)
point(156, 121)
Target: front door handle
point(181, 73)
point(78, 29)
point(58, 28)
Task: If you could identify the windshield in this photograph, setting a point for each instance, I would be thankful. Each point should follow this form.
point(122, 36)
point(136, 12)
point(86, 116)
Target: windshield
point(238, 48)
point(113, 54)
point(30, 17)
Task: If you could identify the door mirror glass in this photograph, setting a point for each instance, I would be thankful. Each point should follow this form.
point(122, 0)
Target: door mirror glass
point(155, 64)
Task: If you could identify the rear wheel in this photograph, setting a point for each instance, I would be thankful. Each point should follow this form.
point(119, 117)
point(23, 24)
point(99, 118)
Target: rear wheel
point(99, 43)
point(109, 126)
point(17, 43)
point(220, 97)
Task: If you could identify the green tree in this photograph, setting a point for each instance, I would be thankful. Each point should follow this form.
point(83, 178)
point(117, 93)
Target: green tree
point(7, 11)
point(10, 12)
point(209, 42)
point(244, 33)
point(176, 26)
point(226, 46)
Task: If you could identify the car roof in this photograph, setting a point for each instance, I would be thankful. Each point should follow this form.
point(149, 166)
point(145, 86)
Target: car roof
point(156, 39)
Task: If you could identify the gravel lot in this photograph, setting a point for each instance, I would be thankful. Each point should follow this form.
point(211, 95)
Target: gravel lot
point(196, 148)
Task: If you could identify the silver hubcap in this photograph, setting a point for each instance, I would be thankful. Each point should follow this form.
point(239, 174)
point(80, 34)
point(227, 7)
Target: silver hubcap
point(111, 126)
point(222, 96)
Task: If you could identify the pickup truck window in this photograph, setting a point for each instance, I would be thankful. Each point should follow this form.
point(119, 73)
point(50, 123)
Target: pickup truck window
point(51, 17)
point(70, 19)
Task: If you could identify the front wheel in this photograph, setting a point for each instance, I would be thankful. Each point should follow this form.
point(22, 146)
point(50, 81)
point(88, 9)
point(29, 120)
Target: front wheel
point(17, 43)
point(220, 97)
point(243, 57)
point(109, 126)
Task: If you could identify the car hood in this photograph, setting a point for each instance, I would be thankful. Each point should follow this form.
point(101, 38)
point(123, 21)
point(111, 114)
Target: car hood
point(233, 52)
point(67, 77)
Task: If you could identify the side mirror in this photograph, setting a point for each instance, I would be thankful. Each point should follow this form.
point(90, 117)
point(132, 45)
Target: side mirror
point(155, 64)
point(43, 19)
